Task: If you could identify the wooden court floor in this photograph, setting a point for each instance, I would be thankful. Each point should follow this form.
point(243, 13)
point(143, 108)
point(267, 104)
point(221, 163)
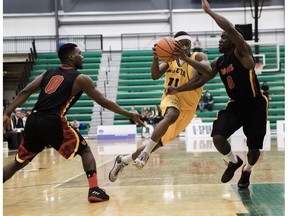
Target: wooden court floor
point(181, 179)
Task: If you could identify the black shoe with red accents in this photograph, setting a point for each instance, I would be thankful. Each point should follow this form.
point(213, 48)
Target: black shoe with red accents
point(232, 167)
point(244, 180)
point(97, 194)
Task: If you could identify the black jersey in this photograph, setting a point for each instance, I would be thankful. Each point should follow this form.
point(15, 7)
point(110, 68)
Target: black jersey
point(241, 83)
point(56, 91)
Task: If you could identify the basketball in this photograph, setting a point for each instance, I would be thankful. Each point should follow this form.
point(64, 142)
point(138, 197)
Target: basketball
point(164, 49)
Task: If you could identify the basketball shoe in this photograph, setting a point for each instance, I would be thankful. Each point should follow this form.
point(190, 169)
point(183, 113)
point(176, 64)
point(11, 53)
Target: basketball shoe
point(118, 167)
point(244, 180)
point(97, 194)
point(232, 167)
point(141, 160)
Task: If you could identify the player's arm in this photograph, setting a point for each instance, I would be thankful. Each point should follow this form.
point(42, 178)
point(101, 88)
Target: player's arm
point(85, 83)
point(203, 75)
point(24, 94)
point(157, 70)
point(20, 99)
point(243, 50)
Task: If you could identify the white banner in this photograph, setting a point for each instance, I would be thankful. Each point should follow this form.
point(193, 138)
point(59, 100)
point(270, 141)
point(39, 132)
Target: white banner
point(110, 147)
point(202, 131)
point(280, 124)
point(116, 132)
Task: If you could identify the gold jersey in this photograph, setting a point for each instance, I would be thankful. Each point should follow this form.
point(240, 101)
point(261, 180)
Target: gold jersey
point(177, 76)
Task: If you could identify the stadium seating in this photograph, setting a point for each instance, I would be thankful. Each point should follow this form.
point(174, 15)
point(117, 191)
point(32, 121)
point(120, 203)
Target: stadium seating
point(136, 88)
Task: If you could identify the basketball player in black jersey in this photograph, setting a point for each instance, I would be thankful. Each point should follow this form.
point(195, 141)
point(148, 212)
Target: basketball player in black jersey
point(247, 106)
point(59, 89)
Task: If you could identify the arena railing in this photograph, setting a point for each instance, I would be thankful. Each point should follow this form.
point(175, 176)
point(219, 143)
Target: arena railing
point(145, 41)
point(46, 44)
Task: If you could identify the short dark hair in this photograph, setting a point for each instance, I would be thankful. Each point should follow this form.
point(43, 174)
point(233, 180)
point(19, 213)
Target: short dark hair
point(180, 33)
point(65, 50)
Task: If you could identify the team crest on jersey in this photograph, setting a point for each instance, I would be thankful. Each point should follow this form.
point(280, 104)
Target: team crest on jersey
point(227, 70)
point(178, 71)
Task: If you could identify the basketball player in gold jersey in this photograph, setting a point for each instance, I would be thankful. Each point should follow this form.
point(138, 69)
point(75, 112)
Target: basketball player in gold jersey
point(179, 108)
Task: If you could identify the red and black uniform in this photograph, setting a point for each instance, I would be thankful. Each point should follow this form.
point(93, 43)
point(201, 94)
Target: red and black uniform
point(48, 125)
point(247, 107)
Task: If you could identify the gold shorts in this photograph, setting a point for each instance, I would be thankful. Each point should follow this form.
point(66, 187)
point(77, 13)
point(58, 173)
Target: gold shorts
point(181, 123)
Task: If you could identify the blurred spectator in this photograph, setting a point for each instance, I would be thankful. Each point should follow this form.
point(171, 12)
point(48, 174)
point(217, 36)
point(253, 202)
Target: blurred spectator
point(13, 134)
point(196, 45)
point(11, 137)
point(201, 104)
point(157, 115)
point(25, 116)
point(75, 124)
point(133, 110)
point(265, 89)
point(144, 114)
point(209, 101)
point(17, 123)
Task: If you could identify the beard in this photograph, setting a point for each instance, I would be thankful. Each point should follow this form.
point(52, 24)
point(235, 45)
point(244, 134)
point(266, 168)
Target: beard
point(79, 66)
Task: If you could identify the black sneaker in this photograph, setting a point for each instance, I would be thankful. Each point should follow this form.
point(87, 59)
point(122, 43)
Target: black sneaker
point(232, 167)
point(97, 194)
point(244, 181)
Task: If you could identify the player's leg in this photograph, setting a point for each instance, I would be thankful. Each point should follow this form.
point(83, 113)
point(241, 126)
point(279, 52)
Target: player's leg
point(170, 106)
point(256, 118)
point(31, 145)
point(122, 161)
point(170, 117)
point(223, 127)
point(95, 194)
point(11, 168)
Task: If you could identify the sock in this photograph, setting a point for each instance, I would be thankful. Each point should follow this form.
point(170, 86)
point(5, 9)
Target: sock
point(248, 167)
point(231, 157)
point(149, 146)
point(92, 178)
point(127, 159)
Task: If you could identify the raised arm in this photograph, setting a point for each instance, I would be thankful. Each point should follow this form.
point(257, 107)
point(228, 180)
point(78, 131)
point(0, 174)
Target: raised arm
point(242, 48)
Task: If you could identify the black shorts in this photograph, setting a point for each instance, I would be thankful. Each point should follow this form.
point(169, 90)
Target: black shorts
point(42, 130)
point(252, 116)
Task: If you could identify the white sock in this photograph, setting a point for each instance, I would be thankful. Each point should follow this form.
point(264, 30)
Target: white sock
point(231, 157)
point(127, 159)
point(248, 167)
point(149, 146)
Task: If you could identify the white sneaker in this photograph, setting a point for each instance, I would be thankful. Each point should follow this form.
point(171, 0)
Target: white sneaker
point(118, 167)
point(141, 160)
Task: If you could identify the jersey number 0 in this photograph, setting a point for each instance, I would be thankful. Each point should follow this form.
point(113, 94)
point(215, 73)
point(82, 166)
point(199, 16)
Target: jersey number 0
point(53, 84)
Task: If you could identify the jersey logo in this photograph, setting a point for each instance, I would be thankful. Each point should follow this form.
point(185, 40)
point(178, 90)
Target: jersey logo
point(53, 84)
point(227, 70)
point(230, 82)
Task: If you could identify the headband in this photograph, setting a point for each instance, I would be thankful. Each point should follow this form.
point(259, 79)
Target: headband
point(183, 37)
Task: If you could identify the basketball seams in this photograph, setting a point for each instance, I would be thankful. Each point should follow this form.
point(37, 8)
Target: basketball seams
point(164, 49)
point(168, 42)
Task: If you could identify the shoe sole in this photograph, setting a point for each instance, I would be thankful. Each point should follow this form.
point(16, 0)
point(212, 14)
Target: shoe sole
point(137, 165)
point(113, 168)
point(96, 199)
point(243, 187)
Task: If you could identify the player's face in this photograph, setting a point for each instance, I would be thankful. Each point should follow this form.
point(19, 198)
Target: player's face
point(225, 44)
point(186, 46)
point(78, 58)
